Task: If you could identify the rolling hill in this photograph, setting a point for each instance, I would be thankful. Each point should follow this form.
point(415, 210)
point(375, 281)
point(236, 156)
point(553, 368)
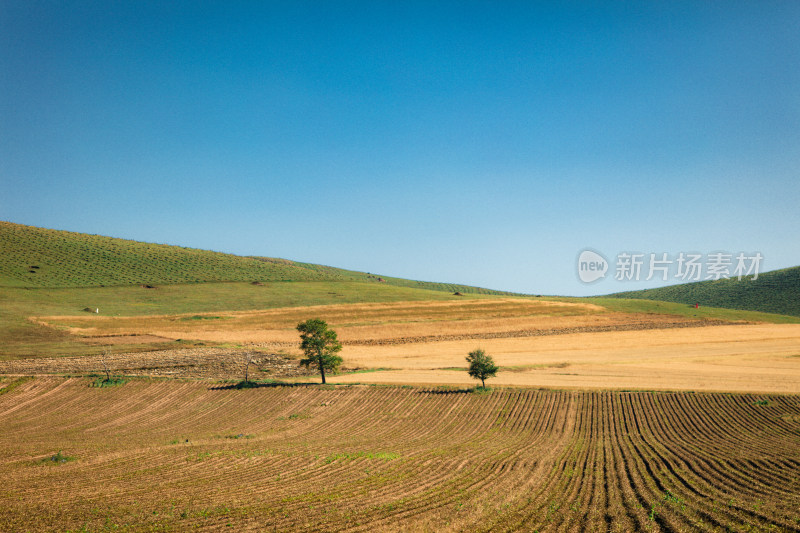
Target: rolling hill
point(777, 291)
point(45, 258)
point(45, 272)
point(54, 272)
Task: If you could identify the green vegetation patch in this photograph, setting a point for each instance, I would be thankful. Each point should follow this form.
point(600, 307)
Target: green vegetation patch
point(773, 292)
point(38, 257)
point(101, 383)
point(14, 384)
point(383, 456)
point(56, 459)
point(239, 436)
point(249, 384)
point(625, 303)
point(295, 416)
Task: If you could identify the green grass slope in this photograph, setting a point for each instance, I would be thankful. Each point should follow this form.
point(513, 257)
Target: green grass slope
point(44, 258)
point(35, 257)
point(52, 272)
point(773, 292)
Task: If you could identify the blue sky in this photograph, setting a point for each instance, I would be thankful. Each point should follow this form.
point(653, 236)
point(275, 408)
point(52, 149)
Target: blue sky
point(485, 143)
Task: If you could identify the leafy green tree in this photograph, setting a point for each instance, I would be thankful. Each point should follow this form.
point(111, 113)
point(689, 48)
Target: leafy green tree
point(481, 366)
point(320, 346)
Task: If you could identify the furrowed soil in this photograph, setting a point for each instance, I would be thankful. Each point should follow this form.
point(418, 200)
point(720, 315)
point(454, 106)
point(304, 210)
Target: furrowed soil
point(171, 455)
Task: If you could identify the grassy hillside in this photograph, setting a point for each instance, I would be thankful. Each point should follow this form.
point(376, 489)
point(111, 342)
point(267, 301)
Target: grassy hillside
point(632, 305)
point(44, 258)
point(52, 272)
point(773, 292)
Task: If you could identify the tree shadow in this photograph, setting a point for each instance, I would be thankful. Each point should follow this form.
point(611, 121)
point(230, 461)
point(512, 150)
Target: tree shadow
point(446, 391)
point(242, 385)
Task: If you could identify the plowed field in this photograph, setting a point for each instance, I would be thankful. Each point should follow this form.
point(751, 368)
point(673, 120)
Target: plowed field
point(172, 455)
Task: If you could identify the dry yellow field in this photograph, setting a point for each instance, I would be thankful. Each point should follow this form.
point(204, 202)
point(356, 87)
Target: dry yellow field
point(353, 322)
point(537, 343)
point(745, 358)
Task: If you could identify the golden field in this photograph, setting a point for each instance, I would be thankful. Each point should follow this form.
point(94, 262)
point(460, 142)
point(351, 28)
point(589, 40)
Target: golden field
point(537, 343)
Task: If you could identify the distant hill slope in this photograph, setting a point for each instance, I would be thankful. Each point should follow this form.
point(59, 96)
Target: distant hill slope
point(45, 258)
point(773, 292)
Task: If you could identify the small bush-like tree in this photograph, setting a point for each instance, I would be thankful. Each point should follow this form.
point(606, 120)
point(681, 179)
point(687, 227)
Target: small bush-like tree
point(320, 346)
point(481, 366)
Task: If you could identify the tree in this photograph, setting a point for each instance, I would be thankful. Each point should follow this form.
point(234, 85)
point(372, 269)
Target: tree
point(107, 370)
point(248, 362)
point(481, 366)
point(320, 346)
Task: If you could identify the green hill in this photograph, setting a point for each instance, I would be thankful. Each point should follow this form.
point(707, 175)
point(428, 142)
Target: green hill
point(52, 272)
point(44, 258)
point(773, 292)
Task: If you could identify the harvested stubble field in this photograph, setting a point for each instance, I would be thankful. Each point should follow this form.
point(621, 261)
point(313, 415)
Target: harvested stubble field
point(172, 455)
point(536, 342)
point(736, 357)
point(356, 322)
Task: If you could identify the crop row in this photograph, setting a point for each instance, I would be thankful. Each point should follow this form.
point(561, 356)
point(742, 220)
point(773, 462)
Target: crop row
point(150, 454)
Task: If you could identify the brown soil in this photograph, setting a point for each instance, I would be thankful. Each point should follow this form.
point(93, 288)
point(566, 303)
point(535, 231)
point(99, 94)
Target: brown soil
point(179, 456)
point(634, 323)
point(215, 363)
point(111, 340)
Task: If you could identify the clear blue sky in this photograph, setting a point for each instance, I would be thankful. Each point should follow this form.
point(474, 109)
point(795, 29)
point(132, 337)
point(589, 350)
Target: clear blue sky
point(485, 143)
